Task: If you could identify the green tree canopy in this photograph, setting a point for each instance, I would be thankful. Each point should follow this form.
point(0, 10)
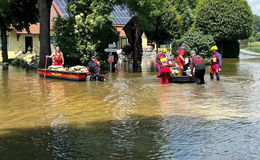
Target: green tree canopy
point(225, 20)
point(168, 26)
point(186, 10)
point(198, 42)
point(64, 37)
point(257, 36)
point(256, 25)
point(145, 19)
point(91, 27)
point(146, 11)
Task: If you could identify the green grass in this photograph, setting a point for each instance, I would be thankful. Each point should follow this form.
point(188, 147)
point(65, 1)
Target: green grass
point(254, 44)
point(254, 47)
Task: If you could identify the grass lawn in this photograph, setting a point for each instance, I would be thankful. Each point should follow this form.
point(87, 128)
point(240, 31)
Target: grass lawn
point(254, 47)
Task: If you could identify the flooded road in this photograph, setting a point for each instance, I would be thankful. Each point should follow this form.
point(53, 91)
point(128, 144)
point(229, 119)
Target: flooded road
point(131, 116)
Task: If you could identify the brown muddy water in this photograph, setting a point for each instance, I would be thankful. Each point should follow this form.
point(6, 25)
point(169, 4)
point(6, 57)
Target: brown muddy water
point(131, 116)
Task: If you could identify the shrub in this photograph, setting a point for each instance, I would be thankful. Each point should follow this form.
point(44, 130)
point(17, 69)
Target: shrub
point(227, 21)
point(251, 39)
point(257, 36)
point(198, 42)
point(19, 62)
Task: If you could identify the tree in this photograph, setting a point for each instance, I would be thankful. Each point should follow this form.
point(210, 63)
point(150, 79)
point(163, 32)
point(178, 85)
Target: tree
point(44, 14)
point(15, 15)
point(4, 12)
point(145, 19)
point(257, 36)
point(251, 39)
point(64, 37)
point(198, 42)
point(168, 26)
point(256, 25)
point(186, 11)
point(227, 21)
point(87, 32)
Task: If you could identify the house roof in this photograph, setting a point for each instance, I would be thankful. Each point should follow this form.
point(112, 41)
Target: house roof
point(35, 28)
point(121, 15)
point(61, 7)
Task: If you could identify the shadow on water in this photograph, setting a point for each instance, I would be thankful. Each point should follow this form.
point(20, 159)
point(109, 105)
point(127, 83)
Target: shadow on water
point(136, 138)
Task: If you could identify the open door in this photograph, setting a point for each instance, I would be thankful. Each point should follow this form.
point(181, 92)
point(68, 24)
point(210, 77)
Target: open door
point(28, 43)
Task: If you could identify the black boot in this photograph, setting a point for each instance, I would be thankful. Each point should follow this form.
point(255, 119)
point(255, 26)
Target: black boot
point(218, 76)
point(211, 76)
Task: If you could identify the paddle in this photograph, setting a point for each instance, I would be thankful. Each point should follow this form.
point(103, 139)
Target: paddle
point(45, 67)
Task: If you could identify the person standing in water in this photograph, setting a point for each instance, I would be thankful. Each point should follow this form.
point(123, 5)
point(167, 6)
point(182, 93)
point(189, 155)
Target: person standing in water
point(158, 61)
point(165, 70)
point(216, 63)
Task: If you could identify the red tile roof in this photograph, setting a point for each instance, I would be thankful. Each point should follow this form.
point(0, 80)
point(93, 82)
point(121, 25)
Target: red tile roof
point(35, 28)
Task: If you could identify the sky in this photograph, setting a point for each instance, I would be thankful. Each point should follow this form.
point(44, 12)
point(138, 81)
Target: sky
point(255, 5)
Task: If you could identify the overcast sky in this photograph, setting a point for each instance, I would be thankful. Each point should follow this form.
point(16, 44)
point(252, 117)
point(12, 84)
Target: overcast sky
point(255, 5)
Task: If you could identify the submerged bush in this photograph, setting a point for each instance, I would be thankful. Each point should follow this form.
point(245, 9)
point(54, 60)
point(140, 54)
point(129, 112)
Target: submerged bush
point(198, 42)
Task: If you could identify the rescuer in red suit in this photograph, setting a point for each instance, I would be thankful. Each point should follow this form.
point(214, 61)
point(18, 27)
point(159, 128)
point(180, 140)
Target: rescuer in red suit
point(181, 57)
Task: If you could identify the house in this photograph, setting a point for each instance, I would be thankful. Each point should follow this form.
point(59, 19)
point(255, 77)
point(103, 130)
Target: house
point(20, 42)
point(122, 17)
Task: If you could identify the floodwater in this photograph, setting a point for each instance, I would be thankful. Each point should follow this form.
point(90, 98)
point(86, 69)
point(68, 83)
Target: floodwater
point(131, 116)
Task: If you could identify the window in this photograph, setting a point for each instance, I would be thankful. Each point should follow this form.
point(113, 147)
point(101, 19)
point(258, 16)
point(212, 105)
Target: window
point(123, 42)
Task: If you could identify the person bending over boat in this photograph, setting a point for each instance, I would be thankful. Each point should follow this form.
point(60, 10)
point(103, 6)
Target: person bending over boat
point(94, 68)
point(57, 57)
point(181, 57)
point(198, 67)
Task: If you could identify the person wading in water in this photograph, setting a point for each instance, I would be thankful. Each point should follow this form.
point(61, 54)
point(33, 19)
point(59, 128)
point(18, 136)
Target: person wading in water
point(198, 67)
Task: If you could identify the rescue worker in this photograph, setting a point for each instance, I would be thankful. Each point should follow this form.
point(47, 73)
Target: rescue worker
point(198, 67)
point(57, 57)
point(94, 68)
point(165, 71)
point(181, 57)
point(216, 63)
point(158, 62)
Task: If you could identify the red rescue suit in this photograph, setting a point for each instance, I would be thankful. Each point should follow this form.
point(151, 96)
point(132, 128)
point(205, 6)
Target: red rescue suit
point(57, 59)
point(214, 68)
point(180, 58)
point(165, 71)
point(158, 63)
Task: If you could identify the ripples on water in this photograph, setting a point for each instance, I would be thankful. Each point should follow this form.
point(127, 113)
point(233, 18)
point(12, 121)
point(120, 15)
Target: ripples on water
point(131, 116)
